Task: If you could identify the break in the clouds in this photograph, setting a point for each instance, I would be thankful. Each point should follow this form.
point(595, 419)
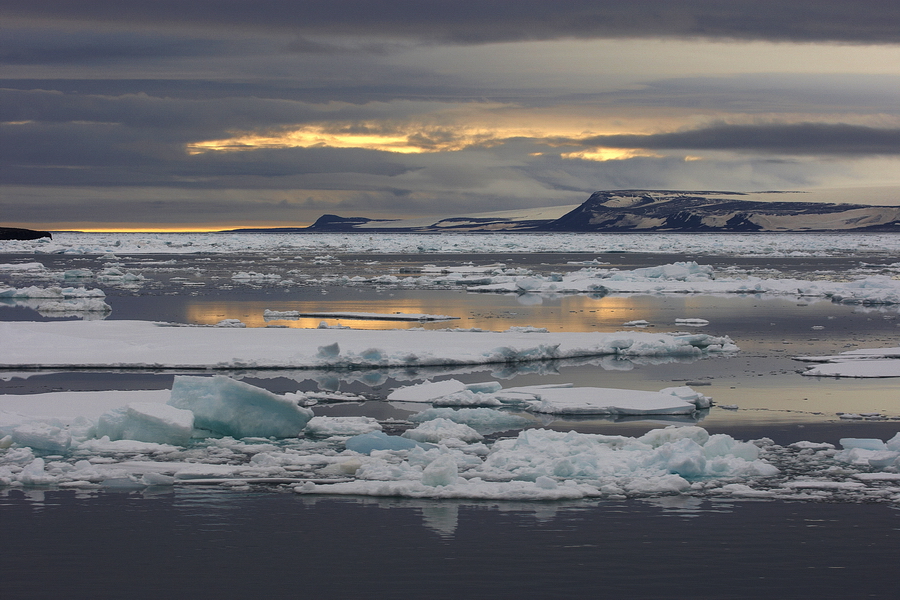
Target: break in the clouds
point(211, 113)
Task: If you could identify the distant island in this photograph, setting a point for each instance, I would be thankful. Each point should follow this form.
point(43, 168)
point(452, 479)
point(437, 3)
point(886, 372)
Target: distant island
point(622, 211)
point(17, 233)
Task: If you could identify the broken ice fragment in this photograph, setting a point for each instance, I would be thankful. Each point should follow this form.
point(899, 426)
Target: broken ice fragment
point(238, 409)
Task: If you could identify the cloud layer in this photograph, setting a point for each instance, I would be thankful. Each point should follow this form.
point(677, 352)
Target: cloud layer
point(209, 113)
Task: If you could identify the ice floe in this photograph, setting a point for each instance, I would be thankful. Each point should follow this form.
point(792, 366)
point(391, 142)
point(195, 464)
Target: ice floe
point(54, 292)
point(558, 399)
point(863, 363)
point(140, 344)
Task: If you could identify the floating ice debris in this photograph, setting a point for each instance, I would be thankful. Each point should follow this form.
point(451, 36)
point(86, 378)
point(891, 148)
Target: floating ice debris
point(692, 322)
point(116, 275)
point(51, 293)
point(440, 430)
point(377, 440)
point(325, 325)
point(22, 267)
point(692, 278)
point(56, 344)
point(238, 409)
point(482, 420)
point(270, 315)
point(331, 426)
point(637, 323)
point(537, 464)
point(231, 323)
point(94, 305)
point(607, 401)
point(253, 276)
point(878, 362)
point(560, 399)
point(448, 393)
point(423, 392)
point(542, 465)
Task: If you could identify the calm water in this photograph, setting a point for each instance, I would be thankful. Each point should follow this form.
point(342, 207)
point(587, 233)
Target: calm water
point(197, 544)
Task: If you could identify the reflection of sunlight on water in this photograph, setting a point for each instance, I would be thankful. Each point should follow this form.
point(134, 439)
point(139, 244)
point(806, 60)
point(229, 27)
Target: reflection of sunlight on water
point(482, 311)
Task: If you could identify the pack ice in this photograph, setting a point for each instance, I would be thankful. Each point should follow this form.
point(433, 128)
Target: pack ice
point(443, 456)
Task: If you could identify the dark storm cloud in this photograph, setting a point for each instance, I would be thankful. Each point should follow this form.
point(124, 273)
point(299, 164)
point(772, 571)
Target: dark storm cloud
point(820, 139)
point(29, 46)
point(482, 21)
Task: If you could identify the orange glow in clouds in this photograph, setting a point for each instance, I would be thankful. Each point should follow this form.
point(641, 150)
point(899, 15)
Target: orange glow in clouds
point(412, 138)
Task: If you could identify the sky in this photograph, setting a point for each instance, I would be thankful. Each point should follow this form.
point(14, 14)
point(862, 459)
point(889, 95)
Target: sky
point(211, 114)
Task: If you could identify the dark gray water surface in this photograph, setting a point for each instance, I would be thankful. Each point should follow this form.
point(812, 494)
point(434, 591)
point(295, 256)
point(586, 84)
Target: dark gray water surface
point(199, 544)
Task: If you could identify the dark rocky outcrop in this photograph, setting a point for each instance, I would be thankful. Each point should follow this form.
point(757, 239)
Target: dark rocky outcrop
point(17, 233)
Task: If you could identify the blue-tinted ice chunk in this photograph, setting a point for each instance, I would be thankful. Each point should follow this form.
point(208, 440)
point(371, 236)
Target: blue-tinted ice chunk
point(378, 440)
point(229, 407)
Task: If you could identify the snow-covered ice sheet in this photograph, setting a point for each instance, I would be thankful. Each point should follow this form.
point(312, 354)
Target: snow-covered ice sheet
point(140, 344)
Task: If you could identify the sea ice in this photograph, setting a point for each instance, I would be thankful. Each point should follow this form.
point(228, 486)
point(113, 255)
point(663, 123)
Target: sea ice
point(440, 430)
point(760, 244)
point(331, 426)
point(377, 440)
point(425, 392)
point(148, 422)
point(58, 344)
point(41, 436)
point(866, 362)
point(482, 420)
point(229, 407)
point(51, 292)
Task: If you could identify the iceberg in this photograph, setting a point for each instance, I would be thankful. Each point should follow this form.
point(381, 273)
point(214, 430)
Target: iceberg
point(234, 408)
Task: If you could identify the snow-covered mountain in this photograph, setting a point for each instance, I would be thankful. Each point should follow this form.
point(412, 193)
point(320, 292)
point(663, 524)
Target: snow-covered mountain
point(661, 210)
point(649, 210)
